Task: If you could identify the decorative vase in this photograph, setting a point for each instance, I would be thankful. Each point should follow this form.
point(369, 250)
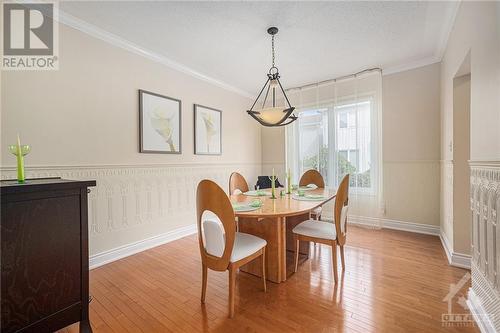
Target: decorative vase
point(20, 151)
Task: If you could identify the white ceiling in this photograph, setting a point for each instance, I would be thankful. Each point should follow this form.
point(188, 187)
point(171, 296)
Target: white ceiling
point(227, 41)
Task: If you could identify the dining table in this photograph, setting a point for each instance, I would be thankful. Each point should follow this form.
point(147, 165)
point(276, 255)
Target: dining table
point(274, 220)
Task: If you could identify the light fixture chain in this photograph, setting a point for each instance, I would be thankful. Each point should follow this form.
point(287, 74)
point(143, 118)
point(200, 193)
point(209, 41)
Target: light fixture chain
point(272, 46)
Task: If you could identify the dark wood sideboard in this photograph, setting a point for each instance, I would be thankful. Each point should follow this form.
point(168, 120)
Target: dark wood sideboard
point(44, 258)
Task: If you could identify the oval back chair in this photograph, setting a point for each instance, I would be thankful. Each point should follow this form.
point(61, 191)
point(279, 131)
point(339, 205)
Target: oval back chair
point(221, 247)
point(312, 177)
point(332, 234)
point(340, 214)
point(210, 197)
point(237, 182)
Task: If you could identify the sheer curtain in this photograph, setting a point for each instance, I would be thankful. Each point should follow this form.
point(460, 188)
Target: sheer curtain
point(339, 132)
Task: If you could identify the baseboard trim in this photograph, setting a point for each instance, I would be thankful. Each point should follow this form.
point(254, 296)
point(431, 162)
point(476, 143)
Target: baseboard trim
point(106, 257)
point(478, 312)
point(374, 222)
point(454, 258)
point(412, 227)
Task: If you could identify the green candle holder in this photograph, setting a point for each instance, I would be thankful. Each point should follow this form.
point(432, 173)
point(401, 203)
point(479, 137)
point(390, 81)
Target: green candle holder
point(273, 186)
point(20, 151)
point(289, 183)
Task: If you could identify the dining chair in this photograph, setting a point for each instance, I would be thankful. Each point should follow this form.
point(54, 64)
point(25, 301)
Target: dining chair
point(237, 184)
point(221, 247)
point(313, 177)
point(264, 182)
point(333, 234)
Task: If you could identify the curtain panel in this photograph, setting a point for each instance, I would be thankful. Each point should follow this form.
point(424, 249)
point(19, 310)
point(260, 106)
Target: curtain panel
point(339, 132)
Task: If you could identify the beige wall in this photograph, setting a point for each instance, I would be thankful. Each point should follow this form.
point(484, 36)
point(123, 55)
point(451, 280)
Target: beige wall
point(273, 150)
point(82, 122)
point(410, 131)
point(476, 31)
point(461, 155)
point(411, 145)
point(475, 34)
point(87, 112)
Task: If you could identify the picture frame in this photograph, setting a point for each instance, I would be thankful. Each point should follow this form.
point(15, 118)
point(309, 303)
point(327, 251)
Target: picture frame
point(207, 130)
point(160, 123)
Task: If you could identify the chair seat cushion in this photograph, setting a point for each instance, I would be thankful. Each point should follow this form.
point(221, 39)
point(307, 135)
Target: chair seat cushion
point(245, 245)
point(316, 229)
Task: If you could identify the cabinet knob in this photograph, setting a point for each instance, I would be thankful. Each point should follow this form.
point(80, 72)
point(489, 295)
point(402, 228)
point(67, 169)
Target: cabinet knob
point(88, 190)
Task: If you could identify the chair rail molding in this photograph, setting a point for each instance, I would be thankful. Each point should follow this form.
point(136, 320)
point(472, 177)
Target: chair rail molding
point(484, 295)
point(136, 207)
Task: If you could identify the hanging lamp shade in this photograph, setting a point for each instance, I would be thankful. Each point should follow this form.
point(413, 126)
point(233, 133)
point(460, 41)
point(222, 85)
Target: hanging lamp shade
point(272, 107)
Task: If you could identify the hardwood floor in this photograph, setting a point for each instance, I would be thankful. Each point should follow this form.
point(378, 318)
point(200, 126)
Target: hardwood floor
point(394, 282)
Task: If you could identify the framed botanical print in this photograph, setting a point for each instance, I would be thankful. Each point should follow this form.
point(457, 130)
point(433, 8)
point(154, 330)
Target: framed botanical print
point(159, 124)
point(207, 130)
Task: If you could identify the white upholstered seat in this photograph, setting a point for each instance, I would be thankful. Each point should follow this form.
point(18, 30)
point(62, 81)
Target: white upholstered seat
point(244, 244)
point(319, 229)
point(316, 229)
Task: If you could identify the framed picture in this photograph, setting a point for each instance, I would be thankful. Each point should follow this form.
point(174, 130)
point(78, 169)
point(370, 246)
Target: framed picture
point(159, 124)
point(207, 130)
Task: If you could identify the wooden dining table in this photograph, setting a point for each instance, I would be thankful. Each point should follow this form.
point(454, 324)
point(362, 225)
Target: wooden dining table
point(274, 222)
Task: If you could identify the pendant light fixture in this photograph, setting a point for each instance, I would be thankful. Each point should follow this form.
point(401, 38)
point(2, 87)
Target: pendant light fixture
point(274, 109)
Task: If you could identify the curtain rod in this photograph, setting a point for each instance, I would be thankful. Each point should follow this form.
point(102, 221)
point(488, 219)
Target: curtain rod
point(337, 78)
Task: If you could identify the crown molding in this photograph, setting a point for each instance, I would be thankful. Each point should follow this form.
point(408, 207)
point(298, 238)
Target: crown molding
point(449, 22)
point(410, 65)
point(448, 27)
point(94, 31)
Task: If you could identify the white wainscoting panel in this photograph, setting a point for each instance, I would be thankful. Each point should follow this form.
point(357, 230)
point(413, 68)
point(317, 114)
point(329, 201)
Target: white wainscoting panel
point(447, 200)
point(485, 267)
point(135, 206)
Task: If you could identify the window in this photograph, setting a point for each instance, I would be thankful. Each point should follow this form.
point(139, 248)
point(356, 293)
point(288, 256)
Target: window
point(343, 120)
point(313, 140)
point(353, 146)
point(337, 141)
